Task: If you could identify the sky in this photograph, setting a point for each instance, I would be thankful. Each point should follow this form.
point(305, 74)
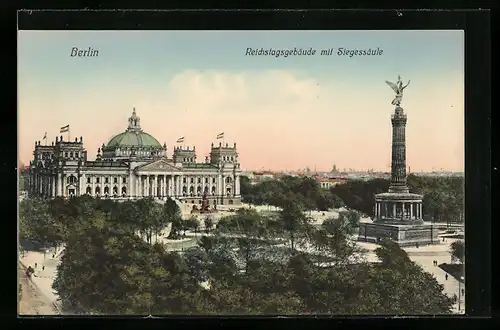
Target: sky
point(283, 113)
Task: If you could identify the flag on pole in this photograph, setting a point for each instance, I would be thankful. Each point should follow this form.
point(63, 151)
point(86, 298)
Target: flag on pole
point(65, 129)
point(220, 135)
point(180, 140)
point(44, 136)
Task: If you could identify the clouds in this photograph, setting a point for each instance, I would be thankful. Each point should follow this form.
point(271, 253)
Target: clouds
point(280, 119)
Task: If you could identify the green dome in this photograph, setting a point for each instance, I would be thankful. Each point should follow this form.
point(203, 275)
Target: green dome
point(133, 139)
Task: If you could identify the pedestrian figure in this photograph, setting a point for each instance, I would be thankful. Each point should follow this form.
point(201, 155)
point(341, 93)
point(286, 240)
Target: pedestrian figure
point(416, 245)
point(35, 264)
point(455, 297)
point(446, 276)
point(53, 255)
point(463, 292)
point(43, 267)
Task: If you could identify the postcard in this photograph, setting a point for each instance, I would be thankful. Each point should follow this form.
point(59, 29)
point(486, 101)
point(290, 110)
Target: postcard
point(241, 172)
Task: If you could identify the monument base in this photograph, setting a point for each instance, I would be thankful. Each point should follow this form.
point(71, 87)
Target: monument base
point(404, 235)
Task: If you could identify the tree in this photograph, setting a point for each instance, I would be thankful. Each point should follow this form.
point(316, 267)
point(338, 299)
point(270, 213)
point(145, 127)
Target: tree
point(294, 222)
point(113, 263)
point(172, 213)
point(209, 222)
point(37, 224)
point(192, 223)
point(403, 280)
point(458, 250)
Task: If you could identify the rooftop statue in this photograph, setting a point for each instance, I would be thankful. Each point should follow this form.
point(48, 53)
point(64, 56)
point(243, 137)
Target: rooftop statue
point(398, 89)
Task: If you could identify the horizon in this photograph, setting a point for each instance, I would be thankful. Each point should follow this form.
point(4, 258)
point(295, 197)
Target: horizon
point(283, 113)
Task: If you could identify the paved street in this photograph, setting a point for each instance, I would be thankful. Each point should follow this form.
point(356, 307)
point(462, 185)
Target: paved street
point(43, 278)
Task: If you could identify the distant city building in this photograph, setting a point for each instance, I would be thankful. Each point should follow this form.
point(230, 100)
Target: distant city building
point(134, 165)
point(261, 176)
point(327, 183)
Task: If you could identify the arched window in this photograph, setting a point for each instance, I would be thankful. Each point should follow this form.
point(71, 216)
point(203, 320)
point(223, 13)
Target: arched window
point(198, 190)
point(228, 191)
point(229, 179)
point(71, 179)
point(89, 191)
point(184, 191)
point(115, 191)
point(97, 191)
point(199, 180)
point(124, 191)
point(213, 180)
point(206, 189)
point(106, 190)
point(192, 180)
point(213, 190)
point(191, 191)
point(206, 180)
point(184, 180)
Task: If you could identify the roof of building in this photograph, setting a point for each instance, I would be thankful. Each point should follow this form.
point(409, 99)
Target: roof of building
point(134, 136)
point(198, 165)
point(105, 164)
point(136, 139)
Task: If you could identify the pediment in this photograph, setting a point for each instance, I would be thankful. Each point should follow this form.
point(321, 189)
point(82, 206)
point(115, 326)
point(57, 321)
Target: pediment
point(158, 166)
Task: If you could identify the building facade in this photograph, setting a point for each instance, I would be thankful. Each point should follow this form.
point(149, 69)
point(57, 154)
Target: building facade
point(134, 165)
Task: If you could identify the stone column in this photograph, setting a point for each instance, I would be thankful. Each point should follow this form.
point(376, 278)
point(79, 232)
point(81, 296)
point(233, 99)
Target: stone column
point(179, 185)
point(220, 179)
point(83, 185)
point(393, 210)
point(420, 211)
point(202, 184)
point(411, 210)
point(63, 184)
point(58, 193)
point(52, 186)
point(155, 189)
point(237, 186)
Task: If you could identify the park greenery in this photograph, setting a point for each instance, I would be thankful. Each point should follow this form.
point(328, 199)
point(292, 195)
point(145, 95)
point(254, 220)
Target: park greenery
point(443, 196)
point(458, 250)
point(247, 263)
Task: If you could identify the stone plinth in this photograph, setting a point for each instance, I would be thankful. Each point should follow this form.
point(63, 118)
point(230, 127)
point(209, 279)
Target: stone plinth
point(398, 208)
point(404, 235)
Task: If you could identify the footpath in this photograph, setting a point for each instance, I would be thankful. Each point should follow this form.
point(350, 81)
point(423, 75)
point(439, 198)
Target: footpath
point(45, 272)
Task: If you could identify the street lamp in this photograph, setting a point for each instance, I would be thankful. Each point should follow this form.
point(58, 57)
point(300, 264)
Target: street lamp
point(459, 291)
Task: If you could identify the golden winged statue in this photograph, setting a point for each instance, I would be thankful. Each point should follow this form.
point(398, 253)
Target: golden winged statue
point(398, 89)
